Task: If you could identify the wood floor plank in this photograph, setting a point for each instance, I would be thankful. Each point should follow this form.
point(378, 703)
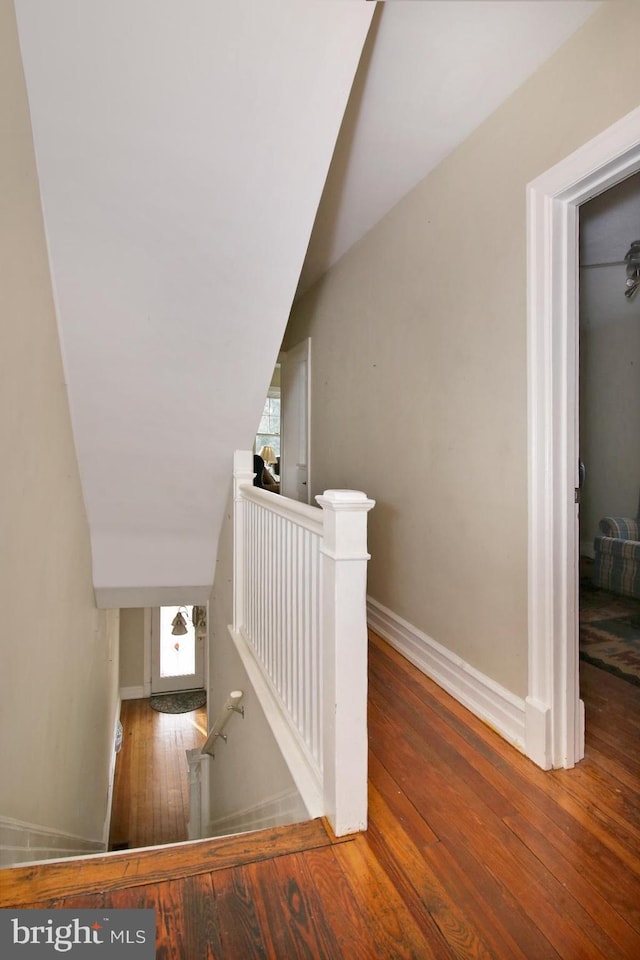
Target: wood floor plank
point(497, 912)
point(547, 792)
point(185, 913)
point(603, 909)
point(354, 936)
point(23, 885)
point(384, 911)
point(398, 803)
point(436, 913)
point(622, 770)
point(186, 919)
point(151, 784)
point(458, 816)
point(288, 912)
point(239, 923)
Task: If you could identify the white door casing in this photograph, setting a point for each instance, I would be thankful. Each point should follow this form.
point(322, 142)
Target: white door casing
point(554, 734)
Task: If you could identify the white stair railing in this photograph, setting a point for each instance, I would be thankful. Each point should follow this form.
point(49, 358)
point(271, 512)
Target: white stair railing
point(300, 620)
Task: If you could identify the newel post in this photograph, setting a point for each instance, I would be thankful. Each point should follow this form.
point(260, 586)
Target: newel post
point(242, 474)
point(344, 643)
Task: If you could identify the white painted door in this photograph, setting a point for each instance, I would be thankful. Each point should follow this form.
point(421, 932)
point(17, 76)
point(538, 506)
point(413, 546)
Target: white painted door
point(177, 662)
point(294, 428)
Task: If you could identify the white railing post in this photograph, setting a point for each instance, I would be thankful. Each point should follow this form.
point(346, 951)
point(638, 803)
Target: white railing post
point(344, 643)
point(242, 473)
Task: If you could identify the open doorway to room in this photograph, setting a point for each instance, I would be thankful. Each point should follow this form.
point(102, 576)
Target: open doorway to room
point(267, 445)
point(609, 427)
point(283, 436)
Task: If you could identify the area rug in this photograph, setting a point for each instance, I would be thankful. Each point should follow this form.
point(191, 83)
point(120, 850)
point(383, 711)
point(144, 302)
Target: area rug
point(179, 702)
point(610, 631)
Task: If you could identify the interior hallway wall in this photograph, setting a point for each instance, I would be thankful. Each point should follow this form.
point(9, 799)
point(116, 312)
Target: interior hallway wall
point(132, 639)
point(59, 677)
point(419, 360)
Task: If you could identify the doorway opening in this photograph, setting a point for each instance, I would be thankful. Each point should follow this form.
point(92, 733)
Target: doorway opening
point(609, 425)
point(177, 653)
point(554, 712)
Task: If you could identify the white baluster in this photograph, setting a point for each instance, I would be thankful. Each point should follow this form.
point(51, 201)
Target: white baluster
point(242, 473)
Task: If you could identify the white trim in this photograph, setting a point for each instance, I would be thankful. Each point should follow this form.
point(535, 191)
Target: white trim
point(132, 693)
point(555, 714)
point(295, 755)
point(276, 811)
point(22, 842)
point(147, 653)
point(488, 700)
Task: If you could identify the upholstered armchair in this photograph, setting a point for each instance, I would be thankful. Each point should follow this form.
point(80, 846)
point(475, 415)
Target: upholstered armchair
point(617, 556)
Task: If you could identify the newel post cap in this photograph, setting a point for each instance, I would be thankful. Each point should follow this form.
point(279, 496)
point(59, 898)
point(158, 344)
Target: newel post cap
point(345, 500)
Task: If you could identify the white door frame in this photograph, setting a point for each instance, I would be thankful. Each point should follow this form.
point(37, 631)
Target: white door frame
point(295, 423)
point(554, 712)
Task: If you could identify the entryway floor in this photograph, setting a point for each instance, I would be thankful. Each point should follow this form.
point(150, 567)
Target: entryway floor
point(151, 787)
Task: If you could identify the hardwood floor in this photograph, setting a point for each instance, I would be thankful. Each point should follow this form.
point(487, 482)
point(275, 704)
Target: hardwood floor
point(150, 791)
point(471, 852)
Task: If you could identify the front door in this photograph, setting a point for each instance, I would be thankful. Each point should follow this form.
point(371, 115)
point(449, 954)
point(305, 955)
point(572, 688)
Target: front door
point(177, 660)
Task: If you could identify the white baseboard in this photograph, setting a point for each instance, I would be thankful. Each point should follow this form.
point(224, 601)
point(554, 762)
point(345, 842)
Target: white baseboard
point(488, 700)
point(132, 693)
point(22, 842)
point(276, 811)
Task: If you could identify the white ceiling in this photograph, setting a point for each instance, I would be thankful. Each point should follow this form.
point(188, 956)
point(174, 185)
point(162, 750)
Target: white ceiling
point(432, 71)
point(182, 149)
point(182, 146)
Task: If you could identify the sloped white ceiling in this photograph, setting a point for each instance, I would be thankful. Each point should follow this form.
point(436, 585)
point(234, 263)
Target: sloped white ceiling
point(431, 72)
point(182, 147)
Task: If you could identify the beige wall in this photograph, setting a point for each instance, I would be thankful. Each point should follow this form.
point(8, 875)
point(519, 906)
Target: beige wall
point(132, 647)
point(58, 683)
point(419, 360)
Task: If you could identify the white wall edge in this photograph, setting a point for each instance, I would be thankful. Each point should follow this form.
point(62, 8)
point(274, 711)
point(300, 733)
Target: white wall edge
point(106, 830)
point(146, 677)
point(275, 811)
point(22, 843)
point(299, 766)
point(109, 598)
point(489, 701)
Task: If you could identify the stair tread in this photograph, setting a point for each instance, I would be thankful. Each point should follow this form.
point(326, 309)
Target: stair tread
point(43, 882)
